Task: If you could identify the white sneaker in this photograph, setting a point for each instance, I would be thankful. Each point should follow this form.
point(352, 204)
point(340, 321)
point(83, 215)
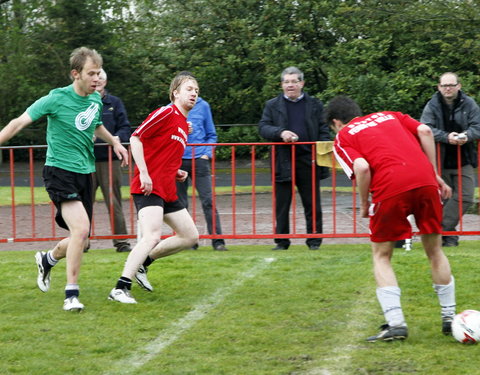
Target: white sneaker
point(43, 278)
point(72, 304)
point(121, 295)
point(141, 278)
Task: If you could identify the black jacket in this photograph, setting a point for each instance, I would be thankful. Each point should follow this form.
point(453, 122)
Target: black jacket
point(275, 120)
point(115, 119)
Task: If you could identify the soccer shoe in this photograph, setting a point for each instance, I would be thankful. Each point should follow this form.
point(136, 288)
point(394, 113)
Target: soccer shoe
point(447, 325)
point(72, 304)
point(142, 280)
point(388, 333)
point(43, 278)
point(121, 295)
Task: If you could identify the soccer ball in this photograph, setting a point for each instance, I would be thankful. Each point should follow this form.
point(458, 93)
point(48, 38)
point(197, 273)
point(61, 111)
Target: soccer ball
point(466, 327)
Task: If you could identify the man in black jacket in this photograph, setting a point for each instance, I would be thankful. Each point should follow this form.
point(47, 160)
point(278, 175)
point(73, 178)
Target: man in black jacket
point(116, 121)
point(294, 116)
point(455, 121)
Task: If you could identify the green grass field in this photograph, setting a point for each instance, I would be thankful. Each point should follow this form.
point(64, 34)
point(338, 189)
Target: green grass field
point(249, 311)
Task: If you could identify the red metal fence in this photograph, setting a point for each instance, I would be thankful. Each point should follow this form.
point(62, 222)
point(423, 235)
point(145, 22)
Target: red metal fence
point(243, 195)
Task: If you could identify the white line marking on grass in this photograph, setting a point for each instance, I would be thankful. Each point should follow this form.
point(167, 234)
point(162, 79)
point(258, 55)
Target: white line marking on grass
point(176, 329)
point(338, 360)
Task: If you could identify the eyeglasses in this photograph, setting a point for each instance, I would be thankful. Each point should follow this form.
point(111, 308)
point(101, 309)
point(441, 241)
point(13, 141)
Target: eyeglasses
point(293, 82)
point(451, 86)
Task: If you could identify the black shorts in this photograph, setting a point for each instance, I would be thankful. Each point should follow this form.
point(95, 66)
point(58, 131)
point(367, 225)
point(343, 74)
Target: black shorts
point(63, 185)
point(142, 201)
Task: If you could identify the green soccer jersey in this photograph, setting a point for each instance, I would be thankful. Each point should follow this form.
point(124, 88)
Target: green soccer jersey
point(72, 120)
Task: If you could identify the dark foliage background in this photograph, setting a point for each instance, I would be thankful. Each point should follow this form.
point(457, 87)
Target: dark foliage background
point(385, 54)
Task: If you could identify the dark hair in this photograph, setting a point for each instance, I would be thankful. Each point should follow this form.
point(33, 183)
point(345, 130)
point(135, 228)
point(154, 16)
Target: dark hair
point(342, 108)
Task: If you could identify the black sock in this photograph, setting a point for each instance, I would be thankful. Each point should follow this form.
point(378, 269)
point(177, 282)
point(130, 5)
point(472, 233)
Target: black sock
point(71, 293)
point(148, 261)
point(124, 283)
point(46, 266)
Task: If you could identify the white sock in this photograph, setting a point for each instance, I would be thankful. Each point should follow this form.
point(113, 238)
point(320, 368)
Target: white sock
point(389, 298)
point(72, 287)
point(446, 297)
point(51, 259)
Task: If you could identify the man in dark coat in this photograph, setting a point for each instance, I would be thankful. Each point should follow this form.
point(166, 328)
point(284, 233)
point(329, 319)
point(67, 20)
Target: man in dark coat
point(294, 116)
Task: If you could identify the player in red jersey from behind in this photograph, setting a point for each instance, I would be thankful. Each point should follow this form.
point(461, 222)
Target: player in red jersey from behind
point(157, 146)
point(392, 158)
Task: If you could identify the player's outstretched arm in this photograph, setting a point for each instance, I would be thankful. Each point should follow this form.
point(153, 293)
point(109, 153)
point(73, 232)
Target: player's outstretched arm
point(121, 152)
point(14, 126)
point(427, 143)
point(136, 145)
point(363, 176)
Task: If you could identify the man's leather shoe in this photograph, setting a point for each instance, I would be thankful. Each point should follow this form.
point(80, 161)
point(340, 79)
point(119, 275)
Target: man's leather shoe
point(220, 247)
point(280, 247)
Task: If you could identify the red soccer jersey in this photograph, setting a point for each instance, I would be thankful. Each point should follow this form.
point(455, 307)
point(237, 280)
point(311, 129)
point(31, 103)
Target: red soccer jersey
point(388, 141)
point(164, 137)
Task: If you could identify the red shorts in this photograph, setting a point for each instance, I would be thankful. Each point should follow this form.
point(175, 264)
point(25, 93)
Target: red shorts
point(388, 218)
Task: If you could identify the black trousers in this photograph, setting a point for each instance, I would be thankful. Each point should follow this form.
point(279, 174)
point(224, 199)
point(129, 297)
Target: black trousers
point(303, 181)
point(203, 185)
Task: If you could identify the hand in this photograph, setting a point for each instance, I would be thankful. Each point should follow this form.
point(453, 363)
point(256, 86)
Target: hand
point(121, 153)
point(181, 175)
point(364, 209)
point(457, 139)
point(190, 127)
point(146, 184)
point(445, 190)
point(289, 136)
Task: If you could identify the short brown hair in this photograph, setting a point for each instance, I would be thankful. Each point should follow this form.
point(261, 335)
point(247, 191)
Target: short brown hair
point(79, 56)
point(177, 82)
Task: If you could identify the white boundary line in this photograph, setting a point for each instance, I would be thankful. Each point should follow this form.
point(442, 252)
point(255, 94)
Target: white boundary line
point(338, 360)
point(176, 329)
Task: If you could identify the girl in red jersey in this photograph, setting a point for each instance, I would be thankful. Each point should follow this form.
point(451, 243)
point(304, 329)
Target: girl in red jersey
point(157, 146)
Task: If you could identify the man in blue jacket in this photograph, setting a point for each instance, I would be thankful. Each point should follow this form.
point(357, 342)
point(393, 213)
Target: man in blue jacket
point(290, 117)
point(203, 131)
point(115, 119)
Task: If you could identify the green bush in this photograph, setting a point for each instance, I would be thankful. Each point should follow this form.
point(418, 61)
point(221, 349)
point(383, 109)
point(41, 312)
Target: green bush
point(240, 134)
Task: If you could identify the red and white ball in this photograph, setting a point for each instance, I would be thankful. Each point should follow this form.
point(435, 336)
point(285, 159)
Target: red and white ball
point(466, 327)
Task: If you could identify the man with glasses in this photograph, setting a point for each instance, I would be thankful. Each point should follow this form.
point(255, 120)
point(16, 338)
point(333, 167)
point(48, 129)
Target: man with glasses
point(295, 116)
point(455, 121)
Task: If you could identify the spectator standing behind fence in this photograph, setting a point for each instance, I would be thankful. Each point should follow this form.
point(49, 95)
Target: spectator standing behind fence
point(203, 131)
point(157, 146)
point(290, 117)
point(455, 121)
point(74, 118)
point(115, 119)
point(392, 156)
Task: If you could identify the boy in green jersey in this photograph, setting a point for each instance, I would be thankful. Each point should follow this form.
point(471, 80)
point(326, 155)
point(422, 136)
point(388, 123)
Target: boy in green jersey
point(74, 119)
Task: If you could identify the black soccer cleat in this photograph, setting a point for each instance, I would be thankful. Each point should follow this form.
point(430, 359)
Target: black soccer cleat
point(388, 333)
point(447, 325)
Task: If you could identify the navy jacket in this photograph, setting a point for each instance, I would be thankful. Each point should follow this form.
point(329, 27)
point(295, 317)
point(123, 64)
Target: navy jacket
point(275, 120)
point(115, 119)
